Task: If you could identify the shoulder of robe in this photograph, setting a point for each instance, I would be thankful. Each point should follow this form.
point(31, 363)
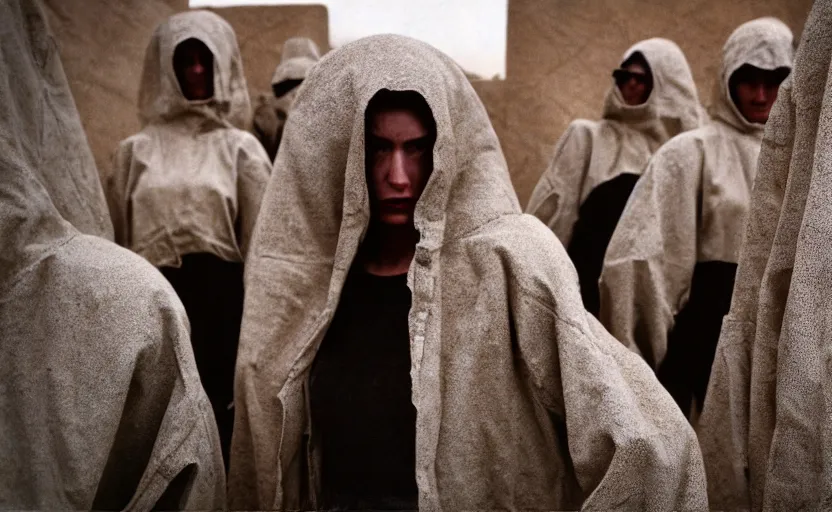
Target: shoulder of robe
point(137, 139)
point(533, 258)
point(126, 291)
point(138, 144)
point(579, 133)
point(582, 127)
point(686, 149)
point(246, 142)
point(266, 108)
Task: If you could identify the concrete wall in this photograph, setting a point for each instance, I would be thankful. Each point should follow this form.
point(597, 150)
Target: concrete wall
point(561, 52)
point(102, 45)
point(261, 32)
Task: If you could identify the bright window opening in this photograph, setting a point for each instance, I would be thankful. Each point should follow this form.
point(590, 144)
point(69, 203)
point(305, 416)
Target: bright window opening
point(473, 32)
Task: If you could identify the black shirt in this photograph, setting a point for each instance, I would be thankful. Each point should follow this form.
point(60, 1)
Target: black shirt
point(597, 220)
point(363, 419)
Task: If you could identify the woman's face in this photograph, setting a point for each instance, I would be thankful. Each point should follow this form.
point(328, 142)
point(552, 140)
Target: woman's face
point(400, 150)
point(194, 66)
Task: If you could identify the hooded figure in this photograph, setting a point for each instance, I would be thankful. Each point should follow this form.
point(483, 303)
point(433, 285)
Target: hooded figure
point(521, 400)
point(298, 56)
point(669, 269)
point(764, 428)
point(101, 406)
point(186, 190)
point(597, 163)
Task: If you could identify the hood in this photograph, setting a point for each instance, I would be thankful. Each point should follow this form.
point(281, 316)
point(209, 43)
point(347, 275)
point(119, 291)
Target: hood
point(298, 56)
point(317, 202)
point(48, 178)
point(673, 102)
point(160, 97)
point(765, 43)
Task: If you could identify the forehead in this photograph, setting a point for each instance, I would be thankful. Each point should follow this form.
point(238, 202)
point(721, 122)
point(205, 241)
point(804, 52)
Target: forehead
point(192, 46)
point(397, 123)
point(638, 66)
point(747, 72)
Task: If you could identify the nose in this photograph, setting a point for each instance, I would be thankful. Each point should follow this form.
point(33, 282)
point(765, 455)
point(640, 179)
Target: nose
point(198, 68)
point(760, 93)
point(397, 177)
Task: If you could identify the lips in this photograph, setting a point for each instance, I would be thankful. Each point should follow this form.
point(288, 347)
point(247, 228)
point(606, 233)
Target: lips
point(397, 204)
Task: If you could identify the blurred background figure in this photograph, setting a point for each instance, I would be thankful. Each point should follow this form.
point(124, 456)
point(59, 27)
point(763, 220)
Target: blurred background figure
point(764, 427)
point(185, 191)
point(297, 58)
point(596, 164)
point(669, 270)
point(101, 406)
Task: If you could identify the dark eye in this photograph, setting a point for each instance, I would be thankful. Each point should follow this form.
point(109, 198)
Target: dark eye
point(418, 146)
point(376, 145)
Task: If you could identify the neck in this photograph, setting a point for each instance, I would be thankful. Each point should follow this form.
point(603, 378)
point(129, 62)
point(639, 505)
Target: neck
point(388, 250)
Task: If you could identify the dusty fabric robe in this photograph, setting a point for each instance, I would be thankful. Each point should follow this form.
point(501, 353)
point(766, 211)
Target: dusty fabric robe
point(191, 181)
point(298, 56)
point(669, 268)
point(523, 400)
point(100, 403)
point(593, 153)
point(765, 426)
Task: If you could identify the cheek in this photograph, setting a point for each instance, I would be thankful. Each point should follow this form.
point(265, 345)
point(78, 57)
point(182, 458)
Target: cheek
point(745, 94)
point(420, 172)
point(378, 172)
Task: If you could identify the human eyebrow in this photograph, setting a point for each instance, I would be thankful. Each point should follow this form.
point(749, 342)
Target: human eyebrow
point(420, 144)
point(376, 142)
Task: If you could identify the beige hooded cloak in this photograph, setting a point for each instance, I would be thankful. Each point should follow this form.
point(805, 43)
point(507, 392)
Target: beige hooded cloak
point(591, 153)
point(298, 56)
point(669, 268)
point(523, 400)
point(100, 403)
point(191, 181)
point(765, 425)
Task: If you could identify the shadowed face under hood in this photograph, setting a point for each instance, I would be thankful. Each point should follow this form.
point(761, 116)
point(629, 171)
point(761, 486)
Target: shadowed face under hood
point(160, 96)
point(765, 43)
point(674, 101)
point(298, 56)
point(322, 200)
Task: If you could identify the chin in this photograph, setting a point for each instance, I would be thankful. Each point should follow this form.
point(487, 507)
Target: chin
point(396, 219)
point(759, 119)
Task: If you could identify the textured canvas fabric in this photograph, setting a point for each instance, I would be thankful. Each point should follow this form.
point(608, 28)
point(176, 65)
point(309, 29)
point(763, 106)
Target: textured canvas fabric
point(192, 179)
point(765, 427)
point(100, 403)
point(689, 206)
point(523, 400)
point(591, 153)
point(297, 58)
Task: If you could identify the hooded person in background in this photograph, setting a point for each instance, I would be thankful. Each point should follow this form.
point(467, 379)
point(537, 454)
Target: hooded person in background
point(764, 430)
point(101, 405)
point(597, 163)
point(186, 190)
point(298, 56)
point(411, 339)
point(669, 269)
